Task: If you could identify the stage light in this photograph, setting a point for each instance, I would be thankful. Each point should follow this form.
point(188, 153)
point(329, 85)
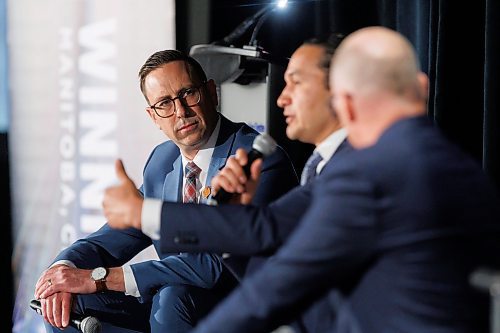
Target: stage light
point(282, 4)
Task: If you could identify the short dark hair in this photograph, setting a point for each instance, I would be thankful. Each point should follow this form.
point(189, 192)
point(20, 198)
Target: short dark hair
point(329, 44)
point(160, 58)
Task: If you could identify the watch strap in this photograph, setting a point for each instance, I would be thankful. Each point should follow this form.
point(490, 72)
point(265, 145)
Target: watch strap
point(101, 285)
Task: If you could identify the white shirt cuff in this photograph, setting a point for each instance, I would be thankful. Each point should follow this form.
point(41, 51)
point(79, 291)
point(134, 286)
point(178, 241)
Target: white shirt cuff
point(130, 284)
point(151, 218)
point(63, 262)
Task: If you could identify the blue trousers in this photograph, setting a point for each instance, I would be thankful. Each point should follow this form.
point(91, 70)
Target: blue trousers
point(173, 309)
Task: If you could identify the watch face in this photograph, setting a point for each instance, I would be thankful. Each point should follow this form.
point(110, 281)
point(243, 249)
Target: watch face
point(99, 273)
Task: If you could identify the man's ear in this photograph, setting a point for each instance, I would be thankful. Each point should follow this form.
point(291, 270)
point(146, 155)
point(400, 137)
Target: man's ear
point(212, 91)
point(349, 105)
point(423, 81)
point(342, 104)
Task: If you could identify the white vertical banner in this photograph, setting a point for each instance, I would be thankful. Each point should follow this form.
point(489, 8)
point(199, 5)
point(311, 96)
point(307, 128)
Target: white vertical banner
point(76, 106)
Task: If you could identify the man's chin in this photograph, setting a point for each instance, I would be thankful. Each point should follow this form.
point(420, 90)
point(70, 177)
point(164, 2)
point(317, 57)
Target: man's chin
point(192, 142)
point(291, 134)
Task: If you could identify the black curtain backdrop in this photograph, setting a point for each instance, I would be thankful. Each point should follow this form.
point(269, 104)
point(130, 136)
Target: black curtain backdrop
point(457, 42)
point(5, 239)
point(490, 147)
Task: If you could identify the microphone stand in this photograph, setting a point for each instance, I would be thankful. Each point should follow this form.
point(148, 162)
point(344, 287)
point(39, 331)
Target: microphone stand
point(489, 281)
point(244, 26)
point(253, 39)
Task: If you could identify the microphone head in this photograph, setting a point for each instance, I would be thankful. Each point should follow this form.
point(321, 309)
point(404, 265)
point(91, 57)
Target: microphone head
point(35, 305)
point(265, 144)
point(90, 325)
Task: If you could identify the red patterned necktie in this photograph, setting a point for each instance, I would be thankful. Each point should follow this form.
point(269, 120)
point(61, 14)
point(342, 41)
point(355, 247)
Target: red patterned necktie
point(191, 172)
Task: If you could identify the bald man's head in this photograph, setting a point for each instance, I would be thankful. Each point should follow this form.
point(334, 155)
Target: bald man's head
point(377, 59)
point(375, 80)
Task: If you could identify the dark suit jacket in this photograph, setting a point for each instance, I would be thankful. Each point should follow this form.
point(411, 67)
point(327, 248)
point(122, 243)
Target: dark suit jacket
point(163, 180)
point(397, 229)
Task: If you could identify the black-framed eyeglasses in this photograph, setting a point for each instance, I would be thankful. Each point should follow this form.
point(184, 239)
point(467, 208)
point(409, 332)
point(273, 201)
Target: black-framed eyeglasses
point(188, 97)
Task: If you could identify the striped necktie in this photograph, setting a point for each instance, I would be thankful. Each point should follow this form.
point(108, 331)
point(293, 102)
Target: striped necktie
point(309, 171)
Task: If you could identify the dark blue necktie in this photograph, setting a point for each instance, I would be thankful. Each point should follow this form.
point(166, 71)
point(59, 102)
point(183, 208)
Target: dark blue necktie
point(309, 171)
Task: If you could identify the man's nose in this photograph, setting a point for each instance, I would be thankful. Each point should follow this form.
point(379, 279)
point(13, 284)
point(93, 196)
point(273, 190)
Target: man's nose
point(181, 111)
point(283, 99)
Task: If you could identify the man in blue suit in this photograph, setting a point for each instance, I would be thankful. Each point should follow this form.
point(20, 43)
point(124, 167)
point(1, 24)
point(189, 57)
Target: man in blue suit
point(306, 105)
point(173, 293)
point(396, 227)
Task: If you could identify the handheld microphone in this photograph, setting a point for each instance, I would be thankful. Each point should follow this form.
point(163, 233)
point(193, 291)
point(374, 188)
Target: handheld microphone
point(84, 324)
point(263, 146)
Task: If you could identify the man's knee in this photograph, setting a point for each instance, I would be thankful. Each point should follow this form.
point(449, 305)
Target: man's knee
point(174, 308)
point(179, 308)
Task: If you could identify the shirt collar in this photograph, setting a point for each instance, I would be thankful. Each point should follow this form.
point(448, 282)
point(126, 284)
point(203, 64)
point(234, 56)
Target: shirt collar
point(204, 155)
point(329, 146)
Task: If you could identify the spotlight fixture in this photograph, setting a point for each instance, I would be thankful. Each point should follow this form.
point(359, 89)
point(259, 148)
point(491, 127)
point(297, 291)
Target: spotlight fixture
point(282, 3)
point(258, 19)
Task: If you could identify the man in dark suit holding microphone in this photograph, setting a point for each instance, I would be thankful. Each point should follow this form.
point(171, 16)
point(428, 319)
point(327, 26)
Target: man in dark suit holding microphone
point(397, 227)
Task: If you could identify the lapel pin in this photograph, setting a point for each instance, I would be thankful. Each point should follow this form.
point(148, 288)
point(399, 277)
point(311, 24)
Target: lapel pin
point(206, 192)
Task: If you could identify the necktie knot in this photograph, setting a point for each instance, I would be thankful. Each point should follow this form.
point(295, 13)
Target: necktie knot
point(191, 171)
point(309, 171)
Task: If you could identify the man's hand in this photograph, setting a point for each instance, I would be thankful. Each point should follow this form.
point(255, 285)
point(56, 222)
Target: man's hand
point(122, 203)
point(232, 178)
point(62, 278)
point(56, 309)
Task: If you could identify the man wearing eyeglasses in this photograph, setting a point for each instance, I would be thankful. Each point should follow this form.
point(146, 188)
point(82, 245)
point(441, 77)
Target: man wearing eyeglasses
point(173, 293)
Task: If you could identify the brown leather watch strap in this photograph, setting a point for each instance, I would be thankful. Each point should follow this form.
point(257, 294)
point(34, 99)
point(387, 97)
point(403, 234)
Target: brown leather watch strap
point(101, 286)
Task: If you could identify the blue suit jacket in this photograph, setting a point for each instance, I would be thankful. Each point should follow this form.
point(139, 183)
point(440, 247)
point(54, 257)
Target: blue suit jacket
point(397, 229)
point(163, 180)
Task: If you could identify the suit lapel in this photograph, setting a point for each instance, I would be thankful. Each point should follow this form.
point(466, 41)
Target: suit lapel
point(343, 149)
point(222, 150)
point(173, 181)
